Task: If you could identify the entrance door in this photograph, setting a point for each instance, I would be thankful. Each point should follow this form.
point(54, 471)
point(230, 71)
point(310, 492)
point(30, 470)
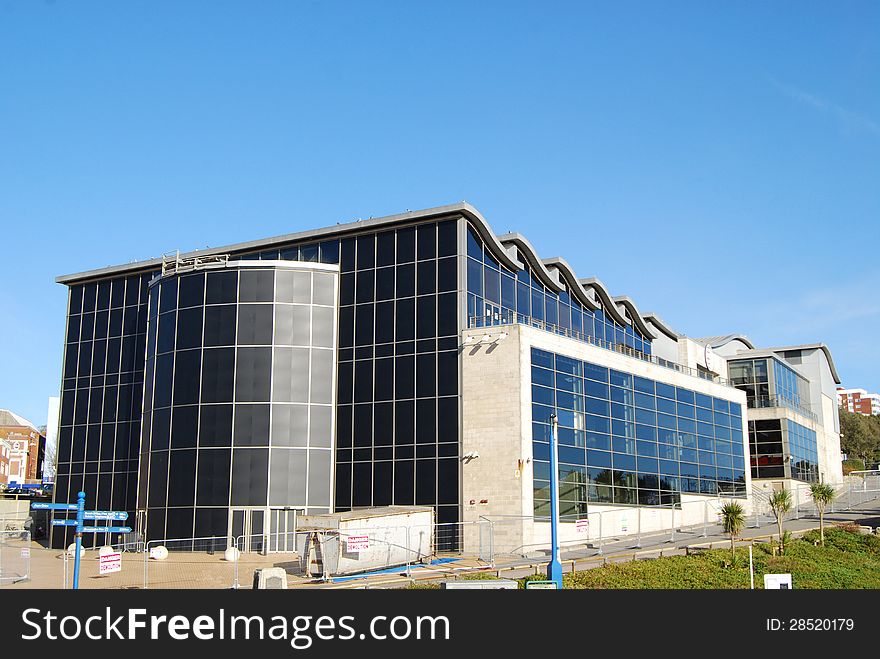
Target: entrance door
point(282, 530)
point(246, 525)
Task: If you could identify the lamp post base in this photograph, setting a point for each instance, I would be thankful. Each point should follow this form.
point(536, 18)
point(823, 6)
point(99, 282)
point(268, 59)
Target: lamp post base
point(554, 572)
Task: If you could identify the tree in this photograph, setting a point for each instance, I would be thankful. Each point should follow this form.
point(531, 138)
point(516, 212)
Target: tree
point(733, 519)
point(780, 504)
point(859, 435)
point(822, 494)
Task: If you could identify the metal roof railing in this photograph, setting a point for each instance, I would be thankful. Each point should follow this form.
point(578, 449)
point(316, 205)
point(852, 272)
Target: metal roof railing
point(172, 263)
point(509, 318)
point(755, 402)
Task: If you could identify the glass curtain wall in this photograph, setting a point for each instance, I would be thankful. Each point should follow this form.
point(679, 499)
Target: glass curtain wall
point(398, 408)
point(102, 386)
point(496, 295)
point(239, 396)
point(804, 452)
point(781, 448)
point(625, 439)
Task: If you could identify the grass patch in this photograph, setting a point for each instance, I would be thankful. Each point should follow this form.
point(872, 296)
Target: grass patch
point(848, 560)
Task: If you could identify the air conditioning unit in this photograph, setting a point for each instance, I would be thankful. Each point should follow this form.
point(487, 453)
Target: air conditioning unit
point(270, 578)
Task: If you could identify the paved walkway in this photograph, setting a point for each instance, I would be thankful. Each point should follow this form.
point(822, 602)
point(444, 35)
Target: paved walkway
point(617, 550)
point(202, 570)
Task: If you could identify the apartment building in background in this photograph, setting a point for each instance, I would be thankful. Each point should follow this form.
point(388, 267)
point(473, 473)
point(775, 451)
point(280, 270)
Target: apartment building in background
point(859, 401)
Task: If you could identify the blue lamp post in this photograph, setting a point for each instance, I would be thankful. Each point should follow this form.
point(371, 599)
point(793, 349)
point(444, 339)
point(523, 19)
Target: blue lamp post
point(554, 567)
point(80, 507)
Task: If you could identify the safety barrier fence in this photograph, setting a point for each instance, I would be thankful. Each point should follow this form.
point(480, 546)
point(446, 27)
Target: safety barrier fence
point(15, 556)
point(322, 554)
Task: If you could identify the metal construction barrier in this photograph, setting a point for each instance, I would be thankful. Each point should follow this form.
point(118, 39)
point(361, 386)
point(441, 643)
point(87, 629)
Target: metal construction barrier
point(15, 556)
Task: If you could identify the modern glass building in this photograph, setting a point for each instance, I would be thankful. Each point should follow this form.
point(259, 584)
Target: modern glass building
point(782, 435)
point(216, 392)
point(224, 391)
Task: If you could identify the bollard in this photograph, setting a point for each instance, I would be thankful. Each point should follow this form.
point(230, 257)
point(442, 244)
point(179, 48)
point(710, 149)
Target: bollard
point(705, 519)
point(639, 527)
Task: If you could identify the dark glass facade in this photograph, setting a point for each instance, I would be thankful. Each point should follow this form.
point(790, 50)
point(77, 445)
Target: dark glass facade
point(213, 338)
point(238, 404)
point(767, 448)
point(781, 448)
point(625, 439)
point(101, 395)
point(397, 397)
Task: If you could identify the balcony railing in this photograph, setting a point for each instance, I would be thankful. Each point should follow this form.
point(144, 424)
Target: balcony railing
point(781, 401)
point(500, 318)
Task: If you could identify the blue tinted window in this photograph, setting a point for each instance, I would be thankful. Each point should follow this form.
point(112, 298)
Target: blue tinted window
point(665, 390)
point(663, 445)
point(568, 365)
point(596, 389)
point(542, 358)
point(621, 379)
point(684, 395)
point(666, 406)
point(542, 395)
point(644, 385)
point(542, 376)
point(645, 401)
point(598, 458)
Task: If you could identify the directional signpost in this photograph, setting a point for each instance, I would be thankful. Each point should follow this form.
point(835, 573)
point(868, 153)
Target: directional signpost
point(38, 505)
point(81, 515)
point(105, 514)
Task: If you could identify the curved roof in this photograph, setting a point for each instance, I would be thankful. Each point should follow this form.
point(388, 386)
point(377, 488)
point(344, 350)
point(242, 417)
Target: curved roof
point(718, 341)
point(609, 304)
point(567, 274)
point(528, 254)
point(661, 325)
point(813, 346)
point(551, 272)
point(634, 314)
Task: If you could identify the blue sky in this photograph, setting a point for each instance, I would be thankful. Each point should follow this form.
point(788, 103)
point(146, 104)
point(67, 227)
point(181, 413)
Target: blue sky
point(720, 165)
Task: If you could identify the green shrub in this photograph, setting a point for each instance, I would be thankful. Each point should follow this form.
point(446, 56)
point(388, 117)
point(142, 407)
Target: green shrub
point(853, 465)
point(848, 560)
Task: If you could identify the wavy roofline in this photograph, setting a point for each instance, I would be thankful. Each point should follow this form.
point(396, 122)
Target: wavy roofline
point(661, 325)
point(568, 274)
point(724, 340)
point(636, 316)
point(554, 272)
point(610, 305)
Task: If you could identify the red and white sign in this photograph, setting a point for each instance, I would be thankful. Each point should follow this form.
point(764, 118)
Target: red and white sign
point(357, 543)
point(110, 563)
point(582, 525)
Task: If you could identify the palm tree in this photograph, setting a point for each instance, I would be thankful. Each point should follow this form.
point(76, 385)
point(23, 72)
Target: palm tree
point(822, 494)
point(733, 519)
point(780, 504)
